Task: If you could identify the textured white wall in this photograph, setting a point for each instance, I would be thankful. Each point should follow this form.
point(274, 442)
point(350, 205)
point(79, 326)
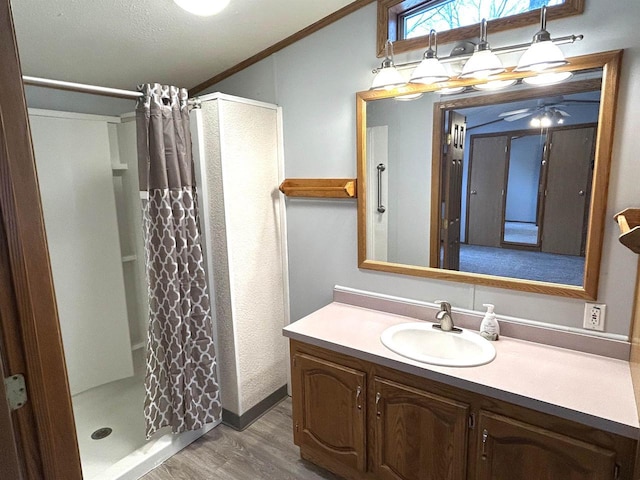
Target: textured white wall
point(315, 81)
point(74, 172)
point(241, 143)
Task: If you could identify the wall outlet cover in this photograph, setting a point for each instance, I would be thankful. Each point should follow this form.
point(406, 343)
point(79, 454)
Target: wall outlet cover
point(594, 314)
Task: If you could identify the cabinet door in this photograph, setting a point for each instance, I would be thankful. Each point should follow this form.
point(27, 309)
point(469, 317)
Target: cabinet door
point(512, 450)
point(329, 411)
point(418, 435)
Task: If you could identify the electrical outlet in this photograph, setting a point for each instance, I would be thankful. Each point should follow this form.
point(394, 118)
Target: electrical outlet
point(594, 316)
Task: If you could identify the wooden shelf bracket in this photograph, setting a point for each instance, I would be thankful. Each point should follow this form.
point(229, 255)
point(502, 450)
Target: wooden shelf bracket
point(319, 187)
point(629, 223)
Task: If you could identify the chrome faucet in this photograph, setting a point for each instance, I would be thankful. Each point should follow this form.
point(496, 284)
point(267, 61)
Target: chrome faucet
point(445, 318)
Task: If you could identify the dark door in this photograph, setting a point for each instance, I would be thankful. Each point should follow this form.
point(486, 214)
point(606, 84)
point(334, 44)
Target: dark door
point(452, 192)
point(487, 166)
point(567, 196)
point(29, 329)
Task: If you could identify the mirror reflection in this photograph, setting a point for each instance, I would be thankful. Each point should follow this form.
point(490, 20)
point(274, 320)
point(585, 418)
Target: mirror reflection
point(525, 187)
point(512, 179)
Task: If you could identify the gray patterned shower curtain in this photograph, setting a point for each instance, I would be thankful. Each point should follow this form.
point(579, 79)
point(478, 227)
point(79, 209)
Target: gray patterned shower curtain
point(181, 380)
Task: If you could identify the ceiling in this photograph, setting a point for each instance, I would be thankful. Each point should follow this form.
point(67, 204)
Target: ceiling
point(570, 103)
point(121, 43)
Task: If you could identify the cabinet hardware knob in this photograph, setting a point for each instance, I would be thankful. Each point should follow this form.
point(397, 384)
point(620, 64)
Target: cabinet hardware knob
point(358, 393)
point(485, 435)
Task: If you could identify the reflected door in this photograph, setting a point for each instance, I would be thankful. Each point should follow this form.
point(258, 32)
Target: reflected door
point(452, 188)
point(570, 167)
point(487, 165)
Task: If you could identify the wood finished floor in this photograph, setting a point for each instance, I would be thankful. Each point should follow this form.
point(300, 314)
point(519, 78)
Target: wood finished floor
point(263, 451)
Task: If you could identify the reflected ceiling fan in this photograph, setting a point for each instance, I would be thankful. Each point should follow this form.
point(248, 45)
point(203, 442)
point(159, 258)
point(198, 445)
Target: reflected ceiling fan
point(550, 109)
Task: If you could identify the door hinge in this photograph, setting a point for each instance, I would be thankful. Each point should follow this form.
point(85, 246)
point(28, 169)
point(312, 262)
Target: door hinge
point(616, 472)
point(16, 391)
point(294, 361)
point(297, 427)
point(472, 421)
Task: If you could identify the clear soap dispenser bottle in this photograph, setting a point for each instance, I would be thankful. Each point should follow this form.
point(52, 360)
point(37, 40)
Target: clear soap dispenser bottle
point(490, 328)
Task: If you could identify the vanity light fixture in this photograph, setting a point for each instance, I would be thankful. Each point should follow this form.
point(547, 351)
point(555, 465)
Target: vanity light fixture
point(543, 53)
point(202, 8)
point(387, 76)
point(483, 63)
point(430, 70)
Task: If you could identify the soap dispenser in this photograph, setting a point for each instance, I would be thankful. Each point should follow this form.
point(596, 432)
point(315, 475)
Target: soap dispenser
point(489, 328)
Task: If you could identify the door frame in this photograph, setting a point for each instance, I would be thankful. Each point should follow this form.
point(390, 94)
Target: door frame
point(31, 339)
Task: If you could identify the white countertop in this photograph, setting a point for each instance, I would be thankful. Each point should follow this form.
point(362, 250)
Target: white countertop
point(590, 389)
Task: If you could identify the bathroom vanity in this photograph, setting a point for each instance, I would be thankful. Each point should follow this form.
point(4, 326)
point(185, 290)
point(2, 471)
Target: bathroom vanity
point(535, 412)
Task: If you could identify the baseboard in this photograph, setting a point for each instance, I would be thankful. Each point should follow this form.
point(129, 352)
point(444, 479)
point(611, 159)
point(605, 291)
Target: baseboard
point(240, 422)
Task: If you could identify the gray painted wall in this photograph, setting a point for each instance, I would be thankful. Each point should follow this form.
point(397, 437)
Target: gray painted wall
point(315, 81)
point(409, 170)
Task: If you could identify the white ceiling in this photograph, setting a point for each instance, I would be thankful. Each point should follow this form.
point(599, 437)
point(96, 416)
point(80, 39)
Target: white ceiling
point(121, 43)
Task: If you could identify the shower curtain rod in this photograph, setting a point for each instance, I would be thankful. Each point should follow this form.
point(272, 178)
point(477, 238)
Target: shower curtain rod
point(83, 88)
point(80, 87)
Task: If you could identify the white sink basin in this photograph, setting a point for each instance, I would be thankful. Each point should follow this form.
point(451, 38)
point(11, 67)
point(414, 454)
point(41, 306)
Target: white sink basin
point(420, 341)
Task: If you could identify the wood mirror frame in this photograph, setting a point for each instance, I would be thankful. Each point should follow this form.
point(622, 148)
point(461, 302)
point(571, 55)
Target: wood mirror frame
point(610, 64)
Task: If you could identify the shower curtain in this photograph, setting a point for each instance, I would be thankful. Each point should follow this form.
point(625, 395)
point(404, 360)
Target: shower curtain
point(181, 380)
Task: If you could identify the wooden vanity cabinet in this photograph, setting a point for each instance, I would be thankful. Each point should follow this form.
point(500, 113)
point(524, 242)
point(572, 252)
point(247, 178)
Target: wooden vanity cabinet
point(329, 412)
point(364, 421)
point(418, 435)
point(513, 450)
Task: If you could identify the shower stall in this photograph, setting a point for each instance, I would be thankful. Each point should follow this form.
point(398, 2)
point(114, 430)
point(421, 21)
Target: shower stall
point(87, 170)
point(88, 174)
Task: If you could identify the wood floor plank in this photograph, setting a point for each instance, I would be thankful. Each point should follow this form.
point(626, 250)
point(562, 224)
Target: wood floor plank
point(264, 451)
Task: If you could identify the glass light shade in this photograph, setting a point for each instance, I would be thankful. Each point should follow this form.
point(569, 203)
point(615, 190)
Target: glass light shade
point(451, 90)
point(548, 78)
point(429, 71)
point(495, 85)
point(388, 78)
point(202, 8)
point(541, 56)
point(482, 64)
point(409, 97)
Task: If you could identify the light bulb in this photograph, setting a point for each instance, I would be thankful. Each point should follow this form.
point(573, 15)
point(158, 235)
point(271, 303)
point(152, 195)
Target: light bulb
point(202, 8)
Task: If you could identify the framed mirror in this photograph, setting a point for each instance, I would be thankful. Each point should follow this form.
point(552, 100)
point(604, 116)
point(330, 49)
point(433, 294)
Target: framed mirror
point(505, 189)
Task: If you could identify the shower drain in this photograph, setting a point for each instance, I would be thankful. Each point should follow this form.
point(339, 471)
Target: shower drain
point(101, 433)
